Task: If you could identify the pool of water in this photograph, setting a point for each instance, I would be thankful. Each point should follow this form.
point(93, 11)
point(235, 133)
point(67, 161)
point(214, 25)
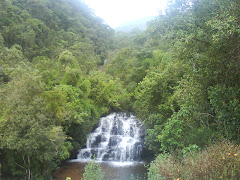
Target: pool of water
point(112, 170)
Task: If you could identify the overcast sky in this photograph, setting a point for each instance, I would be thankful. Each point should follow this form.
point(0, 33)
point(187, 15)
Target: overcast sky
point(116, 12)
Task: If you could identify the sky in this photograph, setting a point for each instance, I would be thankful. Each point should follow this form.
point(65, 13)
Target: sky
point(117, 12)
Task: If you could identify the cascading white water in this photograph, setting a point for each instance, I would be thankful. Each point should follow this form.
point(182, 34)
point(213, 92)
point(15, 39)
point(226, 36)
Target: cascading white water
point(119, 137)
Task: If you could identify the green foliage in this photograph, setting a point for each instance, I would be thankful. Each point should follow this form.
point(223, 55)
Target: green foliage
point(190, 149)
point(172, 135)
point(48, 69)
point(219, 161)
point(71, 77)
point(190, 87)
point(153, 170)
point(108, 93)
point(226, 107)
point(27, 127)
point(66, 59)
point(93, 171)
point(47, 48)
point(180, 76)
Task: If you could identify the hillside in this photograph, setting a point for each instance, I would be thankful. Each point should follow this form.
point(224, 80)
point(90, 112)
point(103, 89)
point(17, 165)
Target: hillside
point(140, 24)
point(180, 76)
point(51, 94)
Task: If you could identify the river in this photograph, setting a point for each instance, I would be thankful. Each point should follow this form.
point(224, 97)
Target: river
point(112, 171)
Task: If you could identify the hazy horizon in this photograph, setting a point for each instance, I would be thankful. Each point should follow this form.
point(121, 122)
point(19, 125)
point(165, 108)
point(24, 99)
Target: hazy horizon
point(116, 13)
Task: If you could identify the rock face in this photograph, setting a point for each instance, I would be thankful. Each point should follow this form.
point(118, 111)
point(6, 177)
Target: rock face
point(119, 137)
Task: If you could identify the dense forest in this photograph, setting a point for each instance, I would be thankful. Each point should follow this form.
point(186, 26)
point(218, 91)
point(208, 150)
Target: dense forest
point(62, 68)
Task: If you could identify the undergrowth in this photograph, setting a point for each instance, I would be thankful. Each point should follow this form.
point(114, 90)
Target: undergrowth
point(218, 161)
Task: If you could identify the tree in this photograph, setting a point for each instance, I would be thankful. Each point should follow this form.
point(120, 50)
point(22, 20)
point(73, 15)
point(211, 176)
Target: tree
point(93, 171)
point(27, 128)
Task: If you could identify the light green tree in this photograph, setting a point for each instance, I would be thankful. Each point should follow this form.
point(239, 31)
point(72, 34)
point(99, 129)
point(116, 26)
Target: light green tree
point(93, 171)
point(26, 126)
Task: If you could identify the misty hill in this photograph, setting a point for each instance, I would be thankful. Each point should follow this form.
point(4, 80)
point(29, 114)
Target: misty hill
point(140, 24)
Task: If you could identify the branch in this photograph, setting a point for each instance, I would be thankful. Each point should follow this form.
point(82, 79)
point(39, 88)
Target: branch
point(205, 42)
point(20, 166)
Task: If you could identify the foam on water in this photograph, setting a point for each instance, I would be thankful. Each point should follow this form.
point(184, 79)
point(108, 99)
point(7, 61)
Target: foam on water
point(118, 138)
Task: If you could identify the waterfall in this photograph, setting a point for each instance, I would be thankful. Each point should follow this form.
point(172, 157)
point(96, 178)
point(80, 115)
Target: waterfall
point(119, 137)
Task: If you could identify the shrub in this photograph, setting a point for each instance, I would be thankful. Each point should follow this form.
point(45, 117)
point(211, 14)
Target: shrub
point(218, 161)
point(93, 171)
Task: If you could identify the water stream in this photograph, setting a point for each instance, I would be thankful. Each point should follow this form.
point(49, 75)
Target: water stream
point(117, 143)
point(119, 137)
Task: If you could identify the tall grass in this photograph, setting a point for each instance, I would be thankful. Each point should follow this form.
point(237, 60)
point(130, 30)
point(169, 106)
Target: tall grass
point(218, 161)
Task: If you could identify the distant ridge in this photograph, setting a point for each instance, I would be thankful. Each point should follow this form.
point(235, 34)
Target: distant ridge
point(140, 24)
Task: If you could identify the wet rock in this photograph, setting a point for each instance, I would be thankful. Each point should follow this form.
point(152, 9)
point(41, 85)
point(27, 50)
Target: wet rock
point(120, 136)
point(114, 141)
